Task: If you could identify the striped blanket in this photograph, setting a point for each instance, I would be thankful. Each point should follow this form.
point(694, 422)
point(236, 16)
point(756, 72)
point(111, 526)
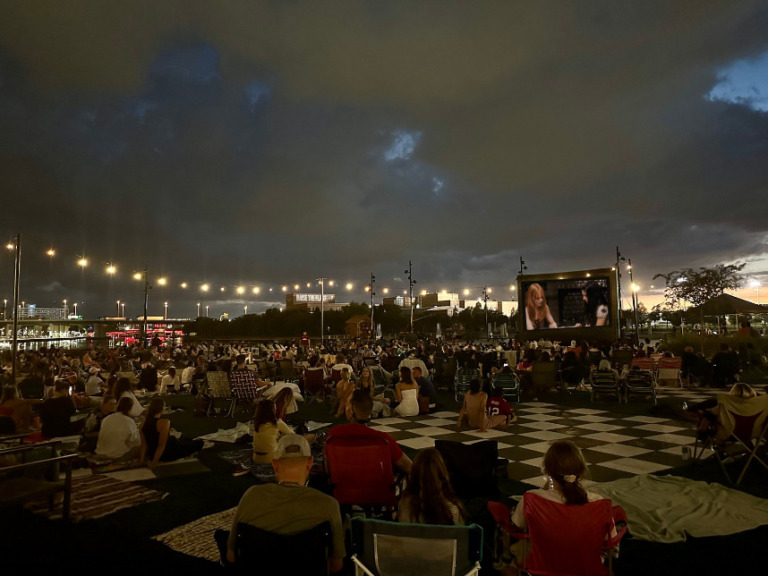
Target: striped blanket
point(95, 496)
point(196, 538)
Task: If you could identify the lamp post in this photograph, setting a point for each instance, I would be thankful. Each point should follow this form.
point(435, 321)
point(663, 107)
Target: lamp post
point(16, 275)
point(139, 276)
point(634, 301)
point(373, 293)
point(122, 309)
point(118, 308)
point(75, 306)
point(322, 280)
point(411, 282)
point(486, 291)
point(206, 310)
point(165, 313)
point(198, 309)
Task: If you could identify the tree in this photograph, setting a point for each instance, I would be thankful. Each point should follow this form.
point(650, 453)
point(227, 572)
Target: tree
point(699, 286)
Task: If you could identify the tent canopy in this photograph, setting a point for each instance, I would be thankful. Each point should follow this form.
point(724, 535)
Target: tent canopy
point(727, 304)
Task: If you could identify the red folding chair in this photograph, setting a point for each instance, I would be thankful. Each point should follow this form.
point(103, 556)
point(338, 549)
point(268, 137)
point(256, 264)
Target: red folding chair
point(314, 385)
point(566, 539)
point(360, 470)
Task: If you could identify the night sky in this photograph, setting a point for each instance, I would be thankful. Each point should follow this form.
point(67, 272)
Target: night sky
point(262, 144)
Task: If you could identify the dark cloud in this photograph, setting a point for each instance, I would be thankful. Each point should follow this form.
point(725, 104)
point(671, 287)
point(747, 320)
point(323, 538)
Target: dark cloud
point(267, 143)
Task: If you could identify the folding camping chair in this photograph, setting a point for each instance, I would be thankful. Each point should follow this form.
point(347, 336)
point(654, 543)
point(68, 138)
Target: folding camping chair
point(243, 388)
point(563, 539)
point(463, 378)
point(381, 548)
point(668, 370)
point(509, 382)
point(360, 472)
point(639, 383)
point(742, 426)
point(604, 382)
point(314, 385)
point(218, 388)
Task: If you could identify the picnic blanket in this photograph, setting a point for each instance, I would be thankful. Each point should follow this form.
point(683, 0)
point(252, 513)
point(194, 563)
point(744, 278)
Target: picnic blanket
point(196, 538)
point(95, 496)
point(667, 508)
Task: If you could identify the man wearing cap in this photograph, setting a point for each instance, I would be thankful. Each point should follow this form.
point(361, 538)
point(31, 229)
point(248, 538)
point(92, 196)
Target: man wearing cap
point(290, 507)
point(362, 406)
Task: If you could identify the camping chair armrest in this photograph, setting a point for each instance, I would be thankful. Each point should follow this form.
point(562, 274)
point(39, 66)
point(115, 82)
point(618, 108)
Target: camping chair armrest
point(361, 566)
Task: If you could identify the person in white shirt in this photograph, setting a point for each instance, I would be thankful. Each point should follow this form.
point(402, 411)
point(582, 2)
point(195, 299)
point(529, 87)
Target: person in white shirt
point(119, 436)
point(170, 382)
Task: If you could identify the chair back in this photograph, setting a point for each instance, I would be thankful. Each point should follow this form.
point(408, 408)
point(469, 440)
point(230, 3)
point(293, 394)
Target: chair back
point(567, 539)
point(471, 467)
point(621, 357)
point(509, 382)
point(336, 375)
point(544, 373)
point(314, 384)
point(742, 417)
point(360, 470)
point(242, 384)
point(643, 363)
point(287, 370)
point(400, 549)
point(261, 552)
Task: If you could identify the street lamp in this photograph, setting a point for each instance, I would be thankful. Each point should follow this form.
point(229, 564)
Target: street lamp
point(16, 276)
point(122, 309)
point(165, 313)
point(373, 293)
point(75, 305)
point(206, 310)
point(143, 276)
point(198, 309)
point(322, 280)
point(635, 288)
point(411, 282)
point(118, 308)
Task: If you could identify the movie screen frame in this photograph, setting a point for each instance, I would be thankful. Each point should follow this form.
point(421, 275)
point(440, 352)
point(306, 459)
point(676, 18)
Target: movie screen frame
point(580, 305)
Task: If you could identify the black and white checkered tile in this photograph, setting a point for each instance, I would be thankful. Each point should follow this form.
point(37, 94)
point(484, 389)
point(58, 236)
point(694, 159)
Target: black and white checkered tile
point(615, 445)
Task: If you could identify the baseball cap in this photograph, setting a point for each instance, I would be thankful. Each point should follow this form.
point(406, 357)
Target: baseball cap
point(292, 446)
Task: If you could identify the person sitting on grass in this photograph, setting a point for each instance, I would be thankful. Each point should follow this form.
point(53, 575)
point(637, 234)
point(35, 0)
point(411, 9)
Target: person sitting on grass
point(158, 445)
point(267, 429)
point(119, 437)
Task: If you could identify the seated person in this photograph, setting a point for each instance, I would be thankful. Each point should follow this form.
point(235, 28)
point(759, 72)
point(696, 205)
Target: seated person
point(344, 389)
point(94, 385)
point(725, 366)
point(289, 506)
point(428, 497)
point(56, 412)
point(267, 429)
point(171, 382)
point(17, 409)
point(119, 437)
point(157, 443)
point(705, 410)
point(564, 467)
point(426, 387)
point(407, 394)
point(123, 387)
point(362, 405)
point(473, 408)
point(498, 411)
point(90, 433)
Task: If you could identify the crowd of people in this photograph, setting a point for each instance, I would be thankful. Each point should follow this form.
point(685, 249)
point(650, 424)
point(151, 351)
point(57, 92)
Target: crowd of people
point(367, 380)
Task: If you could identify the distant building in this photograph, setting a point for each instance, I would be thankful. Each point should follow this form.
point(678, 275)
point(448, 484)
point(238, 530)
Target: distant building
point(31, 311)
point(403, 301)
point(358, 326)
point(311, 302)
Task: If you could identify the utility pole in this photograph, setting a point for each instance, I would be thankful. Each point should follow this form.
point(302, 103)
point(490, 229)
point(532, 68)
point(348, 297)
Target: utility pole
point(373, 293)
point(411, 282)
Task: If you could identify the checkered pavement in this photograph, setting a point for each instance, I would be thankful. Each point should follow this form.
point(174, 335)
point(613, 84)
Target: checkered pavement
point(615, 445)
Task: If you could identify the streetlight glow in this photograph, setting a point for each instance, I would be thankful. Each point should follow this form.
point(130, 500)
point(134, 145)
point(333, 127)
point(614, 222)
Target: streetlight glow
point(111, 270)
point(83, 262)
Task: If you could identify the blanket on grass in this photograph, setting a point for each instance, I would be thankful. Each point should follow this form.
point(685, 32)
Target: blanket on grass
point(667, 508)
point(95, 496)
point(196, 538)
